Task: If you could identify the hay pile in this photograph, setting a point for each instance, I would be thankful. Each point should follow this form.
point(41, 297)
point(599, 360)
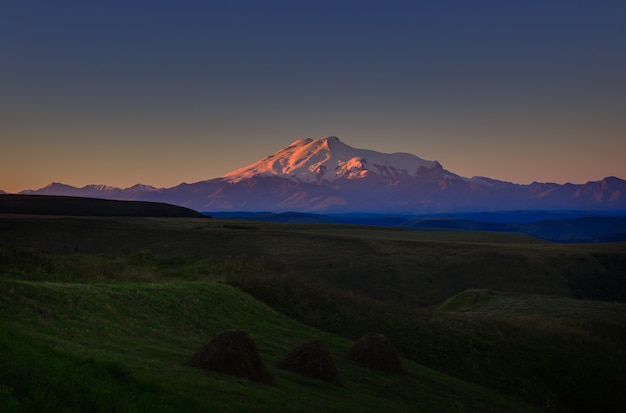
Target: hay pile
point(232, 352)
point(311, 359)
point(376, 352)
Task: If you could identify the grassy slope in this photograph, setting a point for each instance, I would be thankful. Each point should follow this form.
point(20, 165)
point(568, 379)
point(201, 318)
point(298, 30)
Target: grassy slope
point(104, 347)
point(574, 362)
point(575, 348)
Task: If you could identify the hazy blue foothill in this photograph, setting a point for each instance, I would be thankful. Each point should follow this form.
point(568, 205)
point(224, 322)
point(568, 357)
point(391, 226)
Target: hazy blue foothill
point(556, 226)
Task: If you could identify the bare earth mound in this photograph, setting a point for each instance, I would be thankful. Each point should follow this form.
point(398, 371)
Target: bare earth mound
point(311, 359)
point(232, 352)
point(375, 351)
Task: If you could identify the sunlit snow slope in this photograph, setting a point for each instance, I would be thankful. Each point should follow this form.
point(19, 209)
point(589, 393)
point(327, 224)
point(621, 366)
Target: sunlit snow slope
point(309, 160)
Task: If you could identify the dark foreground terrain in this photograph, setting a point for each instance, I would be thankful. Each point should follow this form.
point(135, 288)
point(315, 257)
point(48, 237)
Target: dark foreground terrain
point(102, 313)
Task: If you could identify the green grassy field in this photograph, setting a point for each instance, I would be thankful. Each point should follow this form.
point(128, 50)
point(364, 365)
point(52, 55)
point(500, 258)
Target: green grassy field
point(100, 314)
point(121, 347)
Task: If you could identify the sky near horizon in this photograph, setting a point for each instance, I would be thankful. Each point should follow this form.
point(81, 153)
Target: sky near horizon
point(164, 92)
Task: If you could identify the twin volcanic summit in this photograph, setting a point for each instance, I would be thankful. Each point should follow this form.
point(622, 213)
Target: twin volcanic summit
point(326, 175)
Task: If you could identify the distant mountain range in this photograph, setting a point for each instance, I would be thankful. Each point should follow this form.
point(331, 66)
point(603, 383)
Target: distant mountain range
point(327, 176)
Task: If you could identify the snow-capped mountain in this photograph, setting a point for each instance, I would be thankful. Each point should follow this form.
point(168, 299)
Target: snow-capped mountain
point(308, 160)
point(326, 175)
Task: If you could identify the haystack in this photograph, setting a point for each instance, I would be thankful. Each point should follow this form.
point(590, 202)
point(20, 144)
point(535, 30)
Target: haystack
point(311, 359)
point(232, 352)
point(375, 351)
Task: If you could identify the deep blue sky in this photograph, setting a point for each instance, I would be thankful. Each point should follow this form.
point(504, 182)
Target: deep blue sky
point(161, 92)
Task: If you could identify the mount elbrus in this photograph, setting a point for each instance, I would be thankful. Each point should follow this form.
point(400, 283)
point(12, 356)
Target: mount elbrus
point(326, 175)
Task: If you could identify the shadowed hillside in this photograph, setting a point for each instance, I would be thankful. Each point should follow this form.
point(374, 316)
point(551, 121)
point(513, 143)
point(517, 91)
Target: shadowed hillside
point(76, 206)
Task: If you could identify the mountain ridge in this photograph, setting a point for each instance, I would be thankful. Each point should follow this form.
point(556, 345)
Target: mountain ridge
point(327, 175)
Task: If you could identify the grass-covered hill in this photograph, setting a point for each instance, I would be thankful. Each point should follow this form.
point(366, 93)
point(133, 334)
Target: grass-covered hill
point(123, 347)
point(100, 314)
point(77, 206)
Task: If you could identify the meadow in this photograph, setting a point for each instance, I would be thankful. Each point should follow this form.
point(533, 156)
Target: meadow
point(100, 314)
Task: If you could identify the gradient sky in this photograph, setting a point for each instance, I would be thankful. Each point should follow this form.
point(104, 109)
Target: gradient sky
point(164, 92)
